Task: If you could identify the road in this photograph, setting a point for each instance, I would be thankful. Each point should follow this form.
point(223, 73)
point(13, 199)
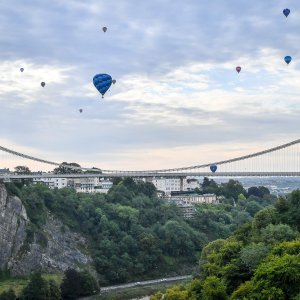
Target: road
point(141, 283)
point(107, 289)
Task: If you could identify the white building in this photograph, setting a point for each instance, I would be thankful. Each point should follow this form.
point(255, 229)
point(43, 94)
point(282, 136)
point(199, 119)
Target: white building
point(88, 185)
point(52, 182)
point(168, 185)
point(104, 186)
point(196, 199)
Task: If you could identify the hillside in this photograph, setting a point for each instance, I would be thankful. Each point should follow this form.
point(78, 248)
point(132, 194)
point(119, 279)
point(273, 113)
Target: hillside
point(261, 260)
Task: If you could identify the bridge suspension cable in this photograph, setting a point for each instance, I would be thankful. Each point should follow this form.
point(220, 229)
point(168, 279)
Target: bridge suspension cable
point(223, 162)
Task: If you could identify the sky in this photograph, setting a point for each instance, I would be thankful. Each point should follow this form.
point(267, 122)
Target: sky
point(177, 101)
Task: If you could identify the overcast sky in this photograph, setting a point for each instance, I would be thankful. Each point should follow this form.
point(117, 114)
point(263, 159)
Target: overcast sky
point(178, 100)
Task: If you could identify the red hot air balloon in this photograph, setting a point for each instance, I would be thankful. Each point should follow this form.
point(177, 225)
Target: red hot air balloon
point(238, 69)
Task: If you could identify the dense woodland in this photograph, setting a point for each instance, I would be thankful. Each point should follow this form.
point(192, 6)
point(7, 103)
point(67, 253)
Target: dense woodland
point(134, 235)
point(260, 260)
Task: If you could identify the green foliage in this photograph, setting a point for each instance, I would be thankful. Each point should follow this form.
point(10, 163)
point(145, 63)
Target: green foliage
point(243, 291)
point(275, 234)
point(22, 170)
point(214, 289)
point(54, 292)
point(66, 168)
point(253, 254)
point(78, 284)
point(289, 210)
point(8, 295)
point(36, 289)
point(260, 191)
point(292, 248)
point(252, 207)
point(260, 261)
point(278, 273)
point(263, 218)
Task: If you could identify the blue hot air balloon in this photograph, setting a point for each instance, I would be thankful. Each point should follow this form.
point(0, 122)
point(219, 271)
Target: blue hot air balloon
point(286, 12)
point(288, 59)
point(213, 168)
point(102, 82)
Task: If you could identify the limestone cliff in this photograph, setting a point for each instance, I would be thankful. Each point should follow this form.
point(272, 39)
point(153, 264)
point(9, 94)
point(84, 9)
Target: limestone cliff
point(54, 248)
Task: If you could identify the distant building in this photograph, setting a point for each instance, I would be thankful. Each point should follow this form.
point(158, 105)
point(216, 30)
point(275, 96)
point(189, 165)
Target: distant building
point(4, 171)
point(196, 199)
point(88, 185)
point(168, 185)
point(187, 209)
point(52, 182)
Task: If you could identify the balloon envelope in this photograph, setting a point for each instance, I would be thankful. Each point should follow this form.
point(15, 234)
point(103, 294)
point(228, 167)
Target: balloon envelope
point(286, 12)
point(213, 168)
point(102, 82)
point(80, 110)
point(114, 81)
point(22, 69)
point(43, 84)
point(238, 69)
point(288, 59)
point(104, 29)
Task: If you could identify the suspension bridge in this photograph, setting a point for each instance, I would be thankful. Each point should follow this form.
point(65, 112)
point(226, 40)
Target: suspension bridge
point(283, 160)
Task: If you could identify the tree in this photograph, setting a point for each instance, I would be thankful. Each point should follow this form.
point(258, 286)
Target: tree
point(22, 170)
point(275, 234)
point(66, 168)
point(232, 189)
point(8, 295)
point(89, 285)
point(259, 192)
point(54, 292)
point(78, 284)
point(280, 274)
point(252, 255)
point(214, 289)
point(36, 289)
point(71, 285)
point(263, 218)
point(253, 207)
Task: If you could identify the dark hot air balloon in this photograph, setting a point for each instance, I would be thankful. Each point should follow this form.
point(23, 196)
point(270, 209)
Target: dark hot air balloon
point(238, 69)
point(213, 168)
point(288, 59)
point(286, 12)
point(80, 110)
point(102, 82)
point(43, 84)
point(104, 29)
point(114, 81)
point(22, 69)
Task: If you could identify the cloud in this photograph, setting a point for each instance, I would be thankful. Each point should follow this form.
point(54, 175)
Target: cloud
point(177, 97)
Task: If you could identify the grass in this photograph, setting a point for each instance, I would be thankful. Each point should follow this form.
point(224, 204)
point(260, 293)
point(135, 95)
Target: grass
point(18, 284)
point(136, 292)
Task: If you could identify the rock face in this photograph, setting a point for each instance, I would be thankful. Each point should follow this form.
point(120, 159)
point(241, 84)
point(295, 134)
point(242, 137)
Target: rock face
point(54, 248)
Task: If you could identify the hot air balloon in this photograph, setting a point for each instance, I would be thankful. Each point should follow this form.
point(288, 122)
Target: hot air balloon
point(114, 81)
point(80, 110)
point(286, 12)
point(238, 69)
point(288, 59)
point(21, 69)
point(102, 82)
point(213, 168)
point(104, 29)
point(43, 84)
